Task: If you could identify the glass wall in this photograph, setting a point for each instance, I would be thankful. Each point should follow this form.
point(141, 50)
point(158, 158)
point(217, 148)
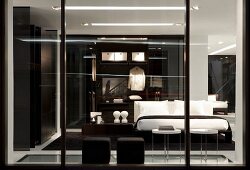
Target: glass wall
point(125, 82)
point(33, 120)
point(124, 63)
point(214, 51)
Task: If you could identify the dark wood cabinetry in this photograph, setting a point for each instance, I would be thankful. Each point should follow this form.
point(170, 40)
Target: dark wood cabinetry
point(115, 78)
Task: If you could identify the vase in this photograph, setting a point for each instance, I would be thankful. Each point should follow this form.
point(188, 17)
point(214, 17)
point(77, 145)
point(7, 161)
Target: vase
point(124, 115)
point(116, 115)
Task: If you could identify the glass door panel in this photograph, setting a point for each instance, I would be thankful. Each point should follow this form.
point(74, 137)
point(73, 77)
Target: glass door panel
point(33, 82)
point(215, 62)
point(124, 75)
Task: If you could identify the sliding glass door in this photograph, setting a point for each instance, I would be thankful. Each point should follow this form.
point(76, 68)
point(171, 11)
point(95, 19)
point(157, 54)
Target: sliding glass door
point(124, 65)
point(216, 82)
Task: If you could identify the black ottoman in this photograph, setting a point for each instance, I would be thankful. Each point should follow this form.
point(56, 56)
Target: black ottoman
point(96, 150)
point(130, 150)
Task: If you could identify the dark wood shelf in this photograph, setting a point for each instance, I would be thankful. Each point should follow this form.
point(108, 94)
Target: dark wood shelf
point(113, 63)
point(138, 63)
point(124, 103)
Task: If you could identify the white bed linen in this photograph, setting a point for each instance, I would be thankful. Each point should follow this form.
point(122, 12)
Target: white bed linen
point(149, 124)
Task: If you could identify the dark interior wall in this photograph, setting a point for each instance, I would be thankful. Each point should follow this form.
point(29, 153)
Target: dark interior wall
point(34, 82)
point(175, 84)
point(35, 88)
point(48, 86)
point(77, 80)
point(21, 54)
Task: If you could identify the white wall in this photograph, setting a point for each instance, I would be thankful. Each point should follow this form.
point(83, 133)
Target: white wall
point(9, 84)
point(239, 84)
point(198, 67)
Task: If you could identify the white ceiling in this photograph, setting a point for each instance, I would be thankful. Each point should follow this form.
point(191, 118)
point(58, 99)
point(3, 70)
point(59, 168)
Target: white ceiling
point(215, 18)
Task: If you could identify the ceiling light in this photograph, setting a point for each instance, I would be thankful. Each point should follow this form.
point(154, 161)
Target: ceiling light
point(223, 49)
point(131, 24)
point(90, 48)
point(209, 48)
point(220, 42)
point(56, 8)
point(119, 8)
point(226, 57)
point(124, 38)
point(89, 57)
point(195, 7)
point(85, 24)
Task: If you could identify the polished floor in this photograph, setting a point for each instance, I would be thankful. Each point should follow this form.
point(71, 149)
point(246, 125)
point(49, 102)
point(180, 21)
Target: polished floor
point(149, 159)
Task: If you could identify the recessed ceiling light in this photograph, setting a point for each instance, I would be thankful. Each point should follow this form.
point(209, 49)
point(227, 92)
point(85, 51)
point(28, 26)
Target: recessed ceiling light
point(135, 8)
point(90, 48)
point(132, 24)
point(226, 57)
point(56, 8)
point(124, 38)
point(223, 49)
point(195, 7)
point(220, 42)
point(85, 24)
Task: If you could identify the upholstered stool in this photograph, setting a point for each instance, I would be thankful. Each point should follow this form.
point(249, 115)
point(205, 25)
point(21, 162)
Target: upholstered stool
point(96, 150)
point(130, 150)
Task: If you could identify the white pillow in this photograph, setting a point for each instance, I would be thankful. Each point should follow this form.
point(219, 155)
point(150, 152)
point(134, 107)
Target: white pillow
point(211, 97)
point(154, 108)
point(200, 107)
point(208, 107)
point(178, 107)
point(197, 108)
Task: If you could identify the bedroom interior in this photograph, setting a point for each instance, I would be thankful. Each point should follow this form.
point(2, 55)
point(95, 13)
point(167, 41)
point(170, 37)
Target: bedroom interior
point(125, 83)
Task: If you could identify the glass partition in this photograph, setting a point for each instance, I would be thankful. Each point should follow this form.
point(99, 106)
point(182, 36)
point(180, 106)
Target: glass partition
point(124, 65)
point(215, 82)
point(33, 63)
point(125, 82)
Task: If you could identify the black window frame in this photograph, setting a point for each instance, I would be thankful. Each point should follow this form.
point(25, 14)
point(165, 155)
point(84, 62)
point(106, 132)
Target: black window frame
point(246, 109)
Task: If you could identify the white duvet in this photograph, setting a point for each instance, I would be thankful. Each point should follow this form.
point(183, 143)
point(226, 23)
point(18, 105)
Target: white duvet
point(149, 124)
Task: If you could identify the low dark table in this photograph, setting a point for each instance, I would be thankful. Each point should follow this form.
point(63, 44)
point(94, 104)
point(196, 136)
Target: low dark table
point(108, 129)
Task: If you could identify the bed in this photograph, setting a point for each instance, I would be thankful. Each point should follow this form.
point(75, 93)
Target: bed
point(150, 115)
point(218, 106)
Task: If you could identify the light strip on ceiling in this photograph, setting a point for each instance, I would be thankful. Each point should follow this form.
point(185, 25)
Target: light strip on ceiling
point(223, 49)
point(132, 24)
point(124, 38)
point(119, 8)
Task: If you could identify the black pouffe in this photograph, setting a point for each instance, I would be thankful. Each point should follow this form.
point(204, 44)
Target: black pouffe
point(130, 150)
point(96, 150)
